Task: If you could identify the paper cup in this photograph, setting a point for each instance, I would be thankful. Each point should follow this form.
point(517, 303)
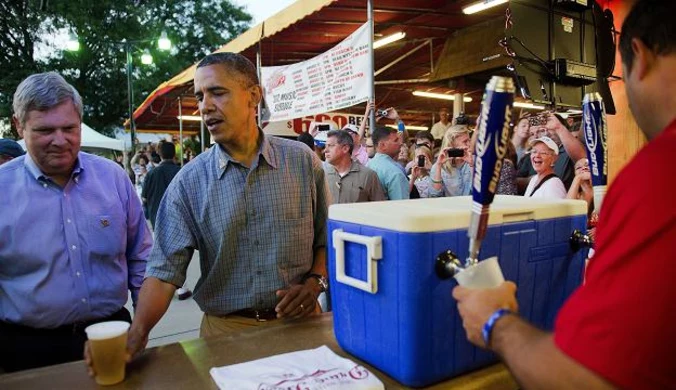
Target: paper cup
point(108, 346)
point(484, 274)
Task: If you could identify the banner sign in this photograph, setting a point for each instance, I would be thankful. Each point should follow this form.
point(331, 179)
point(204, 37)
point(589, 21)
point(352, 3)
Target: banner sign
point(292, 128)
point(339, 78)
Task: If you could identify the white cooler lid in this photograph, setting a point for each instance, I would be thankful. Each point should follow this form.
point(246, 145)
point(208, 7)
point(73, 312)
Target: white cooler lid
point(439, 214)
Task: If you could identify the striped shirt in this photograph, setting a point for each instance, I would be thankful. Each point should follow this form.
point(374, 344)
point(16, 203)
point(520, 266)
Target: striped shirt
point(360, 155)
point(256, 229)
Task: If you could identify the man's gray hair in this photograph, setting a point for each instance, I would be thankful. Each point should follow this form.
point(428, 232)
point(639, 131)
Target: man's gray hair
point(342, 138)
point(42, 92)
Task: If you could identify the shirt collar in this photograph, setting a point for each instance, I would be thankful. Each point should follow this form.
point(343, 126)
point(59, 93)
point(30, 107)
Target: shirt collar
point(391, 160)
point(35, 171)
point(354, 167)
point(265, 150)
point(671, 128)
point(383, 155)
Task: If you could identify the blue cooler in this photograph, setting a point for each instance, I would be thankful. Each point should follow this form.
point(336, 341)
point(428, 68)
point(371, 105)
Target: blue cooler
point(391, 309)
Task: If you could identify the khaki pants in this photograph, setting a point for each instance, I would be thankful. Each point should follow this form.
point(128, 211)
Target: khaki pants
point(215, 326)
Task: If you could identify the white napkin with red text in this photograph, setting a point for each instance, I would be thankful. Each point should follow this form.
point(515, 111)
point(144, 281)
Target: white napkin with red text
point(318, 368)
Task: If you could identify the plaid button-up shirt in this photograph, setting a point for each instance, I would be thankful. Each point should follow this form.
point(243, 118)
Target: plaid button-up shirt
point(256, 228)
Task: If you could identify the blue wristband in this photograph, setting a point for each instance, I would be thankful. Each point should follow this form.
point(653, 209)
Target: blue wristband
point(488, 326)
point(400, 126)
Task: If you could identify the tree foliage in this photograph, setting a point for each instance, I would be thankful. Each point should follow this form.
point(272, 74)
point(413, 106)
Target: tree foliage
point(19, 32)
point(98, 69)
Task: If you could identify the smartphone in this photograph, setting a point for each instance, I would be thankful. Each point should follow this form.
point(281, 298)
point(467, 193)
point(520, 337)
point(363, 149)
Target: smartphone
point(421, 161)
point(324, 127)
point(455, 152)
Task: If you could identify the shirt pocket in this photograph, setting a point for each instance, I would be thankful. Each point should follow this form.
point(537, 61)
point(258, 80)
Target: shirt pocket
point(295, 244)
point(106, 235)
point(356, 193)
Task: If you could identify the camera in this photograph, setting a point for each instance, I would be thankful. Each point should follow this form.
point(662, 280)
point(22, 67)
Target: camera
point(421, 161)
point(381, 113)
point(323, 127)
point(537, 120)
point(462, 119)
point(455, 152)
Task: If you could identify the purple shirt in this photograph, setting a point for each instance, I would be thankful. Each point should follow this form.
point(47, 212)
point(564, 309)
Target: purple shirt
point(69, 254)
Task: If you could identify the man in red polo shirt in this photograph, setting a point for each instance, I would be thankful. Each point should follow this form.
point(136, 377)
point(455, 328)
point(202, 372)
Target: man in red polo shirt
point(618, 329)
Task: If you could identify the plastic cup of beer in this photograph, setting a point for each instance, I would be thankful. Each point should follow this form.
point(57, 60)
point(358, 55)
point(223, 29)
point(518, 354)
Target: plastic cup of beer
point(484, 274)
point(108, 346)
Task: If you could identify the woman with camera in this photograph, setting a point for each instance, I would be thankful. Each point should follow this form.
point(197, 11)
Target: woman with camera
point(419, 182)
point(451, 175)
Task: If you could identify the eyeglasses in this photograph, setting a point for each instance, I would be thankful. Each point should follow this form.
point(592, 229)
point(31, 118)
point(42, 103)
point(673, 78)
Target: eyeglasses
point(539, 153)
point(421, 145)
point(369, 146)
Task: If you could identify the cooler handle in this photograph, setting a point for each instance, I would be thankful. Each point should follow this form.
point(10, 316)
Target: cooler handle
point(374, 251)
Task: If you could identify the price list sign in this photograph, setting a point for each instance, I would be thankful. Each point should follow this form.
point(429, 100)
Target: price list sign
point(339, 78)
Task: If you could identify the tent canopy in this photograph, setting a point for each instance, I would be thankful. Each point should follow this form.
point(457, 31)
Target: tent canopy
point(310, 27)
point(93, 140)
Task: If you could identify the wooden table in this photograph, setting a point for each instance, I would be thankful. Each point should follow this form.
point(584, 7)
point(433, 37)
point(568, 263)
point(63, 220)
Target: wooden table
point(186, 365)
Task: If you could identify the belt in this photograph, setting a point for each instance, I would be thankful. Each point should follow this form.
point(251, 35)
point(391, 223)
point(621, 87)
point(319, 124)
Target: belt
point(73, 328)
point(79, 327)
point(261, 315)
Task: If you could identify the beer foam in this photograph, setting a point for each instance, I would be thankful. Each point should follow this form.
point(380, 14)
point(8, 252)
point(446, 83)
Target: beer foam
point(106, 330)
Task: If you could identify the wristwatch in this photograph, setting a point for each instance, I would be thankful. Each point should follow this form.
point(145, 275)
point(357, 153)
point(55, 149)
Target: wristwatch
point(321, 281)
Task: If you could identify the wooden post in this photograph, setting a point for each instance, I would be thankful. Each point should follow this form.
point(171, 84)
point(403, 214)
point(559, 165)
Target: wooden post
point(624, 136)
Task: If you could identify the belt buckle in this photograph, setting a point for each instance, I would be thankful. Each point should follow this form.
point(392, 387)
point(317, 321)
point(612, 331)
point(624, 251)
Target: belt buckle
point(258, 318)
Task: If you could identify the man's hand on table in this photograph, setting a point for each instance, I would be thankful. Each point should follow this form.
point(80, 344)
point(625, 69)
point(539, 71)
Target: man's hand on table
point(477, 305)
point(298, 301)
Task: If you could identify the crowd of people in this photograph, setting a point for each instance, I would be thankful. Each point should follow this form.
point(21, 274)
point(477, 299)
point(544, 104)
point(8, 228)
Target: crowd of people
point(74, 240)
point(149, 156)
point(542, 159)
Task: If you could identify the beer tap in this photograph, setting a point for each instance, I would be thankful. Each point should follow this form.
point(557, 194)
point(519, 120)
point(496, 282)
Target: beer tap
point(579, 240)
point(489, 153)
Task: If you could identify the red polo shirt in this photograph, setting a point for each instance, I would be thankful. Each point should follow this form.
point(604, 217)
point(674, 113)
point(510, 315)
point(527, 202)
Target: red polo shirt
point(622, 323)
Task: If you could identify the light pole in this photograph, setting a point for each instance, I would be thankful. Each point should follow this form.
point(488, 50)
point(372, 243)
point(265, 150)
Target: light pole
point(163, 43)
point(130, 97)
